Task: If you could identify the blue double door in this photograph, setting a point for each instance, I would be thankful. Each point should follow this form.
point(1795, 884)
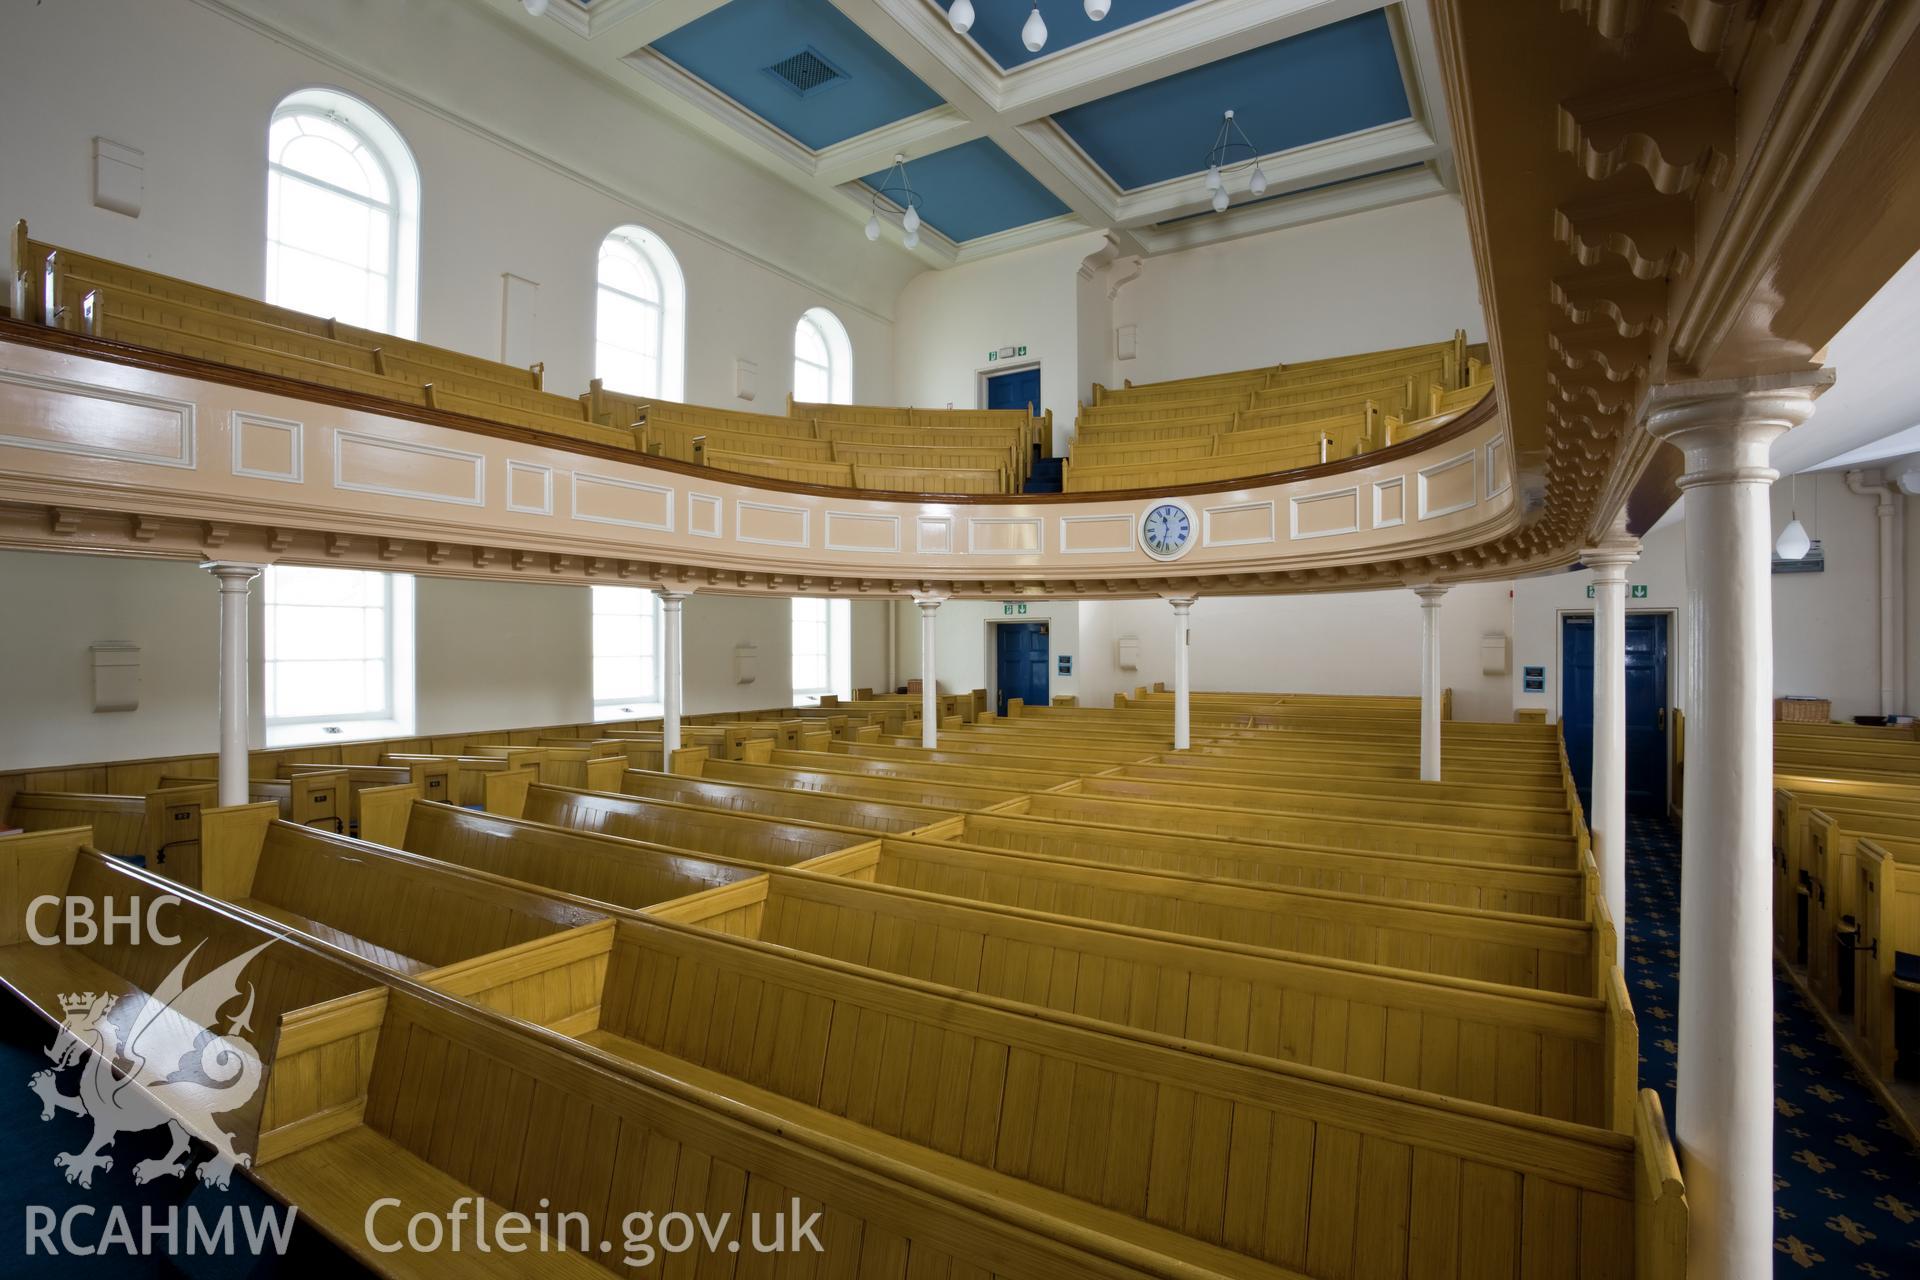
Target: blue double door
point(1015, 389)
point(1020, 664)
point(1647, 699)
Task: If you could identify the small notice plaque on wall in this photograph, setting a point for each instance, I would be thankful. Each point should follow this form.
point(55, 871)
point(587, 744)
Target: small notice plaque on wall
point(1533, 679)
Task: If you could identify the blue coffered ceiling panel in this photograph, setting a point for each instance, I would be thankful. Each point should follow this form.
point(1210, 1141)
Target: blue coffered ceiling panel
point(974, 190)
point(1334, 80)
point(997, 24)
point(838, 84)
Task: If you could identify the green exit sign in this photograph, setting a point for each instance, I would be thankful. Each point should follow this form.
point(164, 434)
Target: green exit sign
point(1006, 353)
point(1635, 591)
point(1013, 607)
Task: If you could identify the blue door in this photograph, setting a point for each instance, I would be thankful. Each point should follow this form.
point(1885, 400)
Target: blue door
point(1647, 698)
point(1022, 664)
point(1016, 389)
point(1576, 701)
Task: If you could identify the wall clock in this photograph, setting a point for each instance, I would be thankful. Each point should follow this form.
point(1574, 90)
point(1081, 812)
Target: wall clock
point(1166, 531)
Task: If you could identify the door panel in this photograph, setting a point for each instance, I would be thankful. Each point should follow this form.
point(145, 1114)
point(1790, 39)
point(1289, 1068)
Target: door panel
point(1647, 700)
point(1647, 712)
point(1576, 700)
point(1022, 664)
point(1015, 390)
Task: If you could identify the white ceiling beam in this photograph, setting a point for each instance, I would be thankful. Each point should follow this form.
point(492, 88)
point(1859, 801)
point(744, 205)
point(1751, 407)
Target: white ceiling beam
point(1357, 196)
point(1160, 46)
point(632, 22)
point(872, 17)
point(920, 135)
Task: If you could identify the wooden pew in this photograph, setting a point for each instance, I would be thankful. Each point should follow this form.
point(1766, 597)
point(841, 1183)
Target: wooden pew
point(1530, 1051)
point(1516, 848)
point(295, 996)
point(692, 827)
point(547, 1121)
point(846, 813)
point(313, 799)
point(161, 827)
point(1888, 958)
point(1540, 891)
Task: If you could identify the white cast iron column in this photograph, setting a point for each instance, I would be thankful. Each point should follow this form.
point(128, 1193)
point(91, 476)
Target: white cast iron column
point(672, 672)
point(929, 686)
point(234, 580)
point(1608, 821)
point(1430, 595)
point(1182, 672)
point(1724, 1103)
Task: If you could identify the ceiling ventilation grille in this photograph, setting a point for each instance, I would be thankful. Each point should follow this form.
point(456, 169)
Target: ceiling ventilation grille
point(806, 72)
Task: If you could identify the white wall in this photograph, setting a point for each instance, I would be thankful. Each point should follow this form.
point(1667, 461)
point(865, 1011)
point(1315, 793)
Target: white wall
point(56, 606)
point(193, 88)
point(489, 655)
point(497, 655)
point(1826, 626)
point(1358, 642)
point(966, 652)
point(1391, 277)
point(947, 322)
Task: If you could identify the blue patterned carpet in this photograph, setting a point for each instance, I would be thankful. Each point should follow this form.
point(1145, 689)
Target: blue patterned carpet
point(1847, 1182)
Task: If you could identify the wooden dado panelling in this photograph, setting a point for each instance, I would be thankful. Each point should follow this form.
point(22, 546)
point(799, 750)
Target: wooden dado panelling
point(86, 431)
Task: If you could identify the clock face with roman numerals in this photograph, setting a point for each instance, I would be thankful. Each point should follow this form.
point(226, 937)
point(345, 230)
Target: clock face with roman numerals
point(1166, 533)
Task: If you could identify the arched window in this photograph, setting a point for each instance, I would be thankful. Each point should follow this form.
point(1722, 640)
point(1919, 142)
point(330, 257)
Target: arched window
point(343, 213)
point(641, 328)
point(822, 359)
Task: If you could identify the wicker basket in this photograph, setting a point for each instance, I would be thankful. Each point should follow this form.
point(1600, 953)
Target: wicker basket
point(1803, 710)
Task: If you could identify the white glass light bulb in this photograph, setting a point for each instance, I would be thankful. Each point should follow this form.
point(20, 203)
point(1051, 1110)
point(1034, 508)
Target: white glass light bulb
point(1034, 34)
point(1794, 542)
point(873, 226)
point(960, 14)
point(1213, 177)
point(534, 8)
point(1097, 9)
point(1220, 200)
point(1258, 186)
point(913, 240)
point(912, 221)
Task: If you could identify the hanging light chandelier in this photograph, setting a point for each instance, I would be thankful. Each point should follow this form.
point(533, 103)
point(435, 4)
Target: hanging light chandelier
point(1233, 152)
point(1034, 33)
point(1794, 541)
point(897, 189)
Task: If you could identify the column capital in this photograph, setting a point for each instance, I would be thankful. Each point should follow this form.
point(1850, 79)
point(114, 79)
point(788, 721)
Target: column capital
point(1430, 593)
point(672, 597)
point(1610, 556)
point(928, 604)
point(1181, 604)
point(234, 575)
point(1726, 426)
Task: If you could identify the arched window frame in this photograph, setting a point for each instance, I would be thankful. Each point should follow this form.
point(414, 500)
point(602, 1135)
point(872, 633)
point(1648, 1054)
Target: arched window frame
point(388, 151)
point(650, 252)
point(838, 369)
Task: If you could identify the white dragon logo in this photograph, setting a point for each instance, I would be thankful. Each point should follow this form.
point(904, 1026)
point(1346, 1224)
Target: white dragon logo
point(150, 1060)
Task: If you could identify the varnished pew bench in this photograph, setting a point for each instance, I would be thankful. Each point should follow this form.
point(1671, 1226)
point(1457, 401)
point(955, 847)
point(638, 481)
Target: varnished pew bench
point(384, 909)
point(313, 799)
point(1887, 960)
point(1514, 848)
point(845, 812)
point(1830, 844)
point(628, 1016)
point(839, 760)
point(696, 828)
point(1535, 1052)
point(299, 1018)
point(161, 827)
point(1540, 891)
